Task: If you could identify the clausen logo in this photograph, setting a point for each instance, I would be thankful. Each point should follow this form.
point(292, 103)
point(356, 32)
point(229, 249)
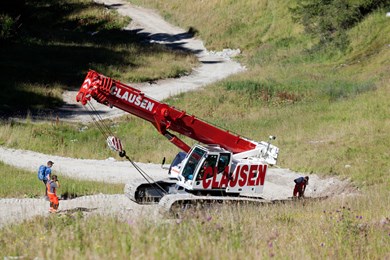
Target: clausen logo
point(132, 98)
point(86, 84)
point(244, 175)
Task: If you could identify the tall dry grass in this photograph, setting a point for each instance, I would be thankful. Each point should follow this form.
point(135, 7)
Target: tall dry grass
point(338, 228)
point(329, 112)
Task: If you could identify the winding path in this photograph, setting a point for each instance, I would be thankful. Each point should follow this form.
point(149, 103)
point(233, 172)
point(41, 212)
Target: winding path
point(214, 67)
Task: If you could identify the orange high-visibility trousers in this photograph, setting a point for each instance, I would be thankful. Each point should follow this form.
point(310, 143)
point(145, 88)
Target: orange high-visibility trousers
point(53, 198)
point(54, 203)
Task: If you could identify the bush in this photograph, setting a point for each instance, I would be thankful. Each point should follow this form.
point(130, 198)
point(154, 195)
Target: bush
point(328, 20)
point(344, 89)
point(265, 90)
point(6, 26)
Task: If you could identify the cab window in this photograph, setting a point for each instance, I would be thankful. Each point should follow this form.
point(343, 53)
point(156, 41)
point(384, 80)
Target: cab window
point(223, 161)
point(192, 163)
point(207, 167)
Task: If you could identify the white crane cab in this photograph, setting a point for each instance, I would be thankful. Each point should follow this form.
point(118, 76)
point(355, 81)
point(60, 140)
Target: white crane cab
point(214, 170)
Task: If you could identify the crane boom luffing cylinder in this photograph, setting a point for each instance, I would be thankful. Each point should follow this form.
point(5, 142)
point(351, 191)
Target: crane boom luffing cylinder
point(225, 161)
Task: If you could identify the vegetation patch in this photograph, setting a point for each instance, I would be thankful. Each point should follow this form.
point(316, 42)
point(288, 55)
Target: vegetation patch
point(337, 228)
point(329, 21)
point(17, 183)
point(48, 46)
point(337, 123)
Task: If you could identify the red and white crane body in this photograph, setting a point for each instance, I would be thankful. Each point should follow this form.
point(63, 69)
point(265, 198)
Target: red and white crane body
point(223, 161)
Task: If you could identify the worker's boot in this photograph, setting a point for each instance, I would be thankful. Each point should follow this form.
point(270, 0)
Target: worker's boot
point(51, 207)
point(55, 208)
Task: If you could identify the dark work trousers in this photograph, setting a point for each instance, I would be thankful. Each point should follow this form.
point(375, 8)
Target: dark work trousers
point(44, 182)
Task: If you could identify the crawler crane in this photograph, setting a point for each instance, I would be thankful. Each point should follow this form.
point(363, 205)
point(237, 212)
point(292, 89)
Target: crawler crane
point(223, 166)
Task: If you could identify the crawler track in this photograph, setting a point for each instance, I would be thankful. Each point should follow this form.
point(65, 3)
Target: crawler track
point(176, 204)
point(143, 192)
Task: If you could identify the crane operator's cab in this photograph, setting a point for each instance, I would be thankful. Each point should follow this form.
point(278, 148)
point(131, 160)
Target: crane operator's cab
point(211, 169)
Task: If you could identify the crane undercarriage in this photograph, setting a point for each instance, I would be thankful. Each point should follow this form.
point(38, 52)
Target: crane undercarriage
point(172, 199)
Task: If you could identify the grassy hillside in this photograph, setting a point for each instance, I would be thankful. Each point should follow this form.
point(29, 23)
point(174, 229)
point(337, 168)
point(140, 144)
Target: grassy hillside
point(48, 46)
point(328, 107)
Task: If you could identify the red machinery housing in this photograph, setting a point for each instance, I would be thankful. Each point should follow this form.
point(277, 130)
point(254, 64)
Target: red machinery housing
point(226, 162)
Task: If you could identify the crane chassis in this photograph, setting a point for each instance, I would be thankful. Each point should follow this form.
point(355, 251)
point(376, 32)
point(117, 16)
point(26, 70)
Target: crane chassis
point(223, 166)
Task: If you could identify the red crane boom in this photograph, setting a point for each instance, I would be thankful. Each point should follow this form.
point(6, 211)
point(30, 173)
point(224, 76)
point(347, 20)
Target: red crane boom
point(113, 93)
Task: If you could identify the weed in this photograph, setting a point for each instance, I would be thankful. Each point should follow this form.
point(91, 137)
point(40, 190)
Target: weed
point(18, 183)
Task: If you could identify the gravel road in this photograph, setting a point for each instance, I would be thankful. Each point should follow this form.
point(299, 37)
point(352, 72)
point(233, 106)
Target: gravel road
point(278, 185)
point(214, 66)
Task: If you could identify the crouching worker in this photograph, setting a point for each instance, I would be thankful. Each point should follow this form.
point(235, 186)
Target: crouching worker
point(52, 186)
point(300, 186)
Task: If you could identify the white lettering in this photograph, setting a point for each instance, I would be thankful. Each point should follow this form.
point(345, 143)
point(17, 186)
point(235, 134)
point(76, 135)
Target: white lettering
point(125, 96)
point(132, 98)
point(118, 93)
point(150, 106)
point(138, 101)
point(113, 90)
point(143, 104)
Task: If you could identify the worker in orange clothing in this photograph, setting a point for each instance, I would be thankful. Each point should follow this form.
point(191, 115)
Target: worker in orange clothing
point(52, 186)
point(300, 186)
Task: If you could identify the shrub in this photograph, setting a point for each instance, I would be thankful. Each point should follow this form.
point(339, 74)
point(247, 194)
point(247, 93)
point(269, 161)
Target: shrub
point(265, 90)
point(328, 20)
point(6, 26)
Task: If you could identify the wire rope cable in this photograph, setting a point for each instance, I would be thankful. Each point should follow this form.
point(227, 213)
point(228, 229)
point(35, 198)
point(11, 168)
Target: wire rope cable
point(106, 132)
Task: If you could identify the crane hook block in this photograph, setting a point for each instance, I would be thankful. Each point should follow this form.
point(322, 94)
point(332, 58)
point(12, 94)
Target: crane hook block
point(114, 144)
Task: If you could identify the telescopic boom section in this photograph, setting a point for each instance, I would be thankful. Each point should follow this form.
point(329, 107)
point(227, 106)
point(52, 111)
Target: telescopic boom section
point(113, 93)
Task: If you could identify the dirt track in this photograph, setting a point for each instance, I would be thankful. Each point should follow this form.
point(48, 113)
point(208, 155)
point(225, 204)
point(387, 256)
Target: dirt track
point(215, 66)
point(278, 185)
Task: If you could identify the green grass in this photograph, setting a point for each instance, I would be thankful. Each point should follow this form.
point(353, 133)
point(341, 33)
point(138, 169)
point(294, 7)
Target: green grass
point(345, 227)
point(54, 48)
point(328, 109)
point(323, 138)
point(55, 138)
point(275, 48)
point(17, 183)
point(315, 103)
